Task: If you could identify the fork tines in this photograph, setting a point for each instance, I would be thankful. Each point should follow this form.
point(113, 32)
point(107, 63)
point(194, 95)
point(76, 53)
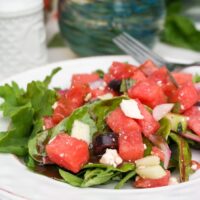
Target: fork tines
point(134, 48)
point(140, 52)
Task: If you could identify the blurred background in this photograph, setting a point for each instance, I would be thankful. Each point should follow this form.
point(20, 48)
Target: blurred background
point(67, 29)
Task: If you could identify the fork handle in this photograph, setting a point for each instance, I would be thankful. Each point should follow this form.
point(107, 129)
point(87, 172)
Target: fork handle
point(172, 65)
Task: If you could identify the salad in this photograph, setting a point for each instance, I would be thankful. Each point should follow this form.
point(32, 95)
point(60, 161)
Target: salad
point(130, 124)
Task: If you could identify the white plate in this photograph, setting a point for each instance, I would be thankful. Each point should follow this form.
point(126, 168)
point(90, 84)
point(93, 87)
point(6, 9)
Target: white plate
point(17, 182)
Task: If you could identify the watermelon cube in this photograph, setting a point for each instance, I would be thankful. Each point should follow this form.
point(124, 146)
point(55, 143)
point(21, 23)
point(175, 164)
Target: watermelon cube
point(182, 78)
point(120, 70)
point(186, 95)
point(68, 152)
point(193, 119)
point(148, 125)
point(73, 99)
point(160, 76)
point(148, 67)
point(151, 183)
point(148, 92)
point(138, 75)
point(82, 79)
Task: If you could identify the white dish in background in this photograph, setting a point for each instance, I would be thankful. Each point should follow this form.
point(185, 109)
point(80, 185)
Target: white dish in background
point(176, 54)
point(17, 182)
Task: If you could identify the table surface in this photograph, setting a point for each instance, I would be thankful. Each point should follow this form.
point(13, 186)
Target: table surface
point(166, 51)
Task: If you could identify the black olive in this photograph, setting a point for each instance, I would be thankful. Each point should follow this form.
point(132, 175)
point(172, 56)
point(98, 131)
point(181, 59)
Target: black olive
point(103, 141)
point(115, 85)
point(198, 104)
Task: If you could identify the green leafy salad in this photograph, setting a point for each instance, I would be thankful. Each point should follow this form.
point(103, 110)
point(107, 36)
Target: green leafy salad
point(129, 124)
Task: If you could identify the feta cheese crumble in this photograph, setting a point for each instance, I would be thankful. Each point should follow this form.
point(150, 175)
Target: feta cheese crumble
point(111, 157)
point(130, 109)
point(106, 96)
point(194, 167)
point(81, 131)
point(55, 105)
point(88, 97)
point(173, 181)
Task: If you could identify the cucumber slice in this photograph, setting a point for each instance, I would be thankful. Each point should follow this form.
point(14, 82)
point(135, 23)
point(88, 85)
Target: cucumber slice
point(178, 122)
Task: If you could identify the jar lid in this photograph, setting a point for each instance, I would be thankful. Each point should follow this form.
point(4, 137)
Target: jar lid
point(9, 8)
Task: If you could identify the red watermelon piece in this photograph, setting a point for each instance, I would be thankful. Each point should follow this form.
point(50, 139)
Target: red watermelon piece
point(151, 183)
point(148, 67)
point(68, 152)
point(160, 76)
point(148, 125)
point(148, 92)
point(100, 92)
point(82, 79)
point(158, 152)
point(131, 146)
point(120, 70)
point(108, 77)
point(193, 119)
point(138, 75)
point(73, 99)
point(186, 95)
point(182, 78)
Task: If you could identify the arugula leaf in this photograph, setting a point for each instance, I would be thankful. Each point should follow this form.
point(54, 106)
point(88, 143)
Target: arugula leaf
point(71, 178)
point(125, 179)
point(100, 73)
point(48, 79)
point(36, 145)
point(25, 110)
point(125, 167)
point(126, 84)
point(95, 174)
point(11, 95)
point(99, 174)
point(196, 78)
point(184, 156)
point(96, 177)
point(15, 140)
point(149, 145)
point(30, 163)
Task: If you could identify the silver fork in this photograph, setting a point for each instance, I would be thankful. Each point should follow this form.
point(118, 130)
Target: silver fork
point(141, 53)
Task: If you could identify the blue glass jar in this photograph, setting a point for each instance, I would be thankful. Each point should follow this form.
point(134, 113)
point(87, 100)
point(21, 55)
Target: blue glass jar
point(89, 25)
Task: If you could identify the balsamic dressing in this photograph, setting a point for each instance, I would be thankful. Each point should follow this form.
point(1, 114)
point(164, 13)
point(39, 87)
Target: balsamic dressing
point(48, 170)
